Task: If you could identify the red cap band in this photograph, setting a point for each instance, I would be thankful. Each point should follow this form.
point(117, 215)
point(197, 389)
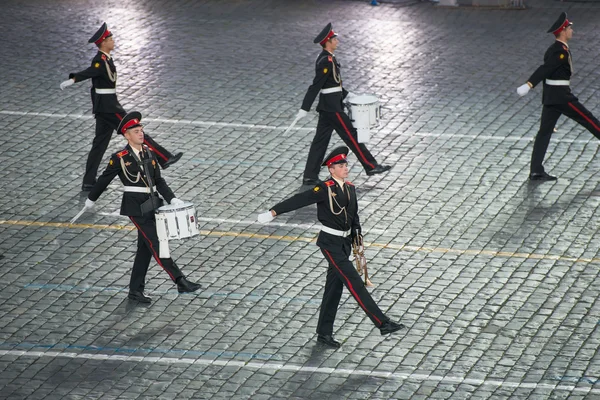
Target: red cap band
point(329, 35)
point(335, 159)
point(563, 26)
point(129, 124)
point(104, 36)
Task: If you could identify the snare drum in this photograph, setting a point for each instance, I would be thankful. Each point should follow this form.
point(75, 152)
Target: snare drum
point(177, 222)
point(364, 112)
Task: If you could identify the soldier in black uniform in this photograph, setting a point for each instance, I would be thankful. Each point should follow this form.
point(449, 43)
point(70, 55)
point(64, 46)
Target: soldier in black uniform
point(328, 83)
point(556, 96)
point(337, 210)
point(134, 165)
point(106, 107)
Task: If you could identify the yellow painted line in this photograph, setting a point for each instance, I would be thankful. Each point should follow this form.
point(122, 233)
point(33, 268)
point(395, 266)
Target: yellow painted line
point(391, 246)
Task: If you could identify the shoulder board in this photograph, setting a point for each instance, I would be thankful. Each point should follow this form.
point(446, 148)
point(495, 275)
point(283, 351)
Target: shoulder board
point(323, 60)
point(349, 183)
point(329, 183)
point(122, 153)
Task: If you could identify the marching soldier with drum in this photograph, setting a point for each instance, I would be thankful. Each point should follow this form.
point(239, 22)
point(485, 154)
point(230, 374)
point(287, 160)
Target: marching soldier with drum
point(328, 85)
point(557, 98)
point(337, 210)
point(106, 107)
point(137, 167)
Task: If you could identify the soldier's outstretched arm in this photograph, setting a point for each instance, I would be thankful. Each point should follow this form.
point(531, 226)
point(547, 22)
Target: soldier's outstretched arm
point(106, 178)
point(297, 201)
point(551, 63)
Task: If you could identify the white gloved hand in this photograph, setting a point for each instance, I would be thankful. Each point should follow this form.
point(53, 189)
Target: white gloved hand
point(66, 83)
point(265, 217)
point(523, 90)
point(176, 202)
point(301, 114)
point(89, 204)
point(349, 96)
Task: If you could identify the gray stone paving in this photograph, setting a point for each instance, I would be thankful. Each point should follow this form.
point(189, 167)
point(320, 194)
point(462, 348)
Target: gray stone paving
point(496, 278)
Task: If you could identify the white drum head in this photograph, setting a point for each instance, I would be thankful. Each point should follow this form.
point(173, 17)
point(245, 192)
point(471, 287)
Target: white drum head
point(364, 99)
point(170, 207)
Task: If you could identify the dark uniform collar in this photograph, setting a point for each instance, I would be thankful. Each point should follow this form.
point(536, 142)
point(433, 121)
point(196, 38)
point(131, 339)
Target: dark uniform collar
point(106, 54)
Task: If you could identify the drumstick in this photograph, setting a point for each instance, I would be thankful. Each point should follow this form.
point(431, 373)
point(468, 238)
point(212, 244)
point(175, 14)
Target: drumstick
point(79, 214)
point(291, 126)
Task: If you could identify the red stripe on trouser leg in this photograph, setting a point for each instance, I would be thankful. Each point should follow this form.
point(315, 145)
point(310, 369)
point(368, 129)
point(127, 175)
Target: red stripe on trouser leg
point(353, 141)
point(158, 153)
point(584, 116)
point(351, 288)
point(156, 257)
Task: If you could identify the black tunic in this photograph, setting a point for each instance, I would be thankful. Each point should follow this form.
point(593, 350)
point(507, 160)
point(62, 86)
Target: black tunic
point(101, 79)
point(557, 66)
point(131, 203)
point(327, 75)
point(340, 219)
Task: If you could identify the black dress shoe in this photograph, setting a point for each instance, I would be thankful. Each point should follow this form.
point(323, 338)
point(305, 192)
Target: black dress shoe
point(185, 286)
point(329, 341)
point(139, 296)
point(541, 176)
point(172, 160)
point(390, 327)
point(311, 182)
point(379, 169)
point(86, 187)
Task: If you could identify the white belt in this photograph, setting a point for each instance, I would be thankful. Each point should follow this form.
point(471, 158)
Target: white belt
point(553, 82)
point(335, 232)
point(137, 189)
point(331, 90)
point(105, 91)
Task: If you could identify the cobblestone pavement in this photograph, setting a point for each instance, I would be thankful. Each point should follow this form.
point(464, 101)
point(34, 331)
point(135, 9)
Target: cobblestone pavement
point(496, 278)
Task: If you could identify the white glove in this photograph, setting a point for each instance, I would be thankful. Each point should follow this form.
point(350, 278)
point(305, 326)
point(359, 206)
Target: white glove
point(89, 204)
point(301, 114)
point(523, 90)
point(66, 83)
point(349, 96)
point(265, 217)
point(176, 202)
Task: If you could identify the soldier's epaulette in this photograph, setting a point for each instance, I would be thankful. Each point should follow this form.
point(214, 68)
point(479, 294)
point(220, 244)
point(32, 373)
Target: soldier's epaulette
point(123, 153)
point(329, 183)
point(349, 183)
point(324, 60)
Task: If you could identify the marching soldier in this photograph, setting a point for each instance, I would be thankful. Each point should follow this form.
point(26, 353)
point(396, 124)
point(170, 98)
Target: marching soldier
point(328, 85)
point(557, 98)
point(106, 107)
point(136, 166)
point(337, 210)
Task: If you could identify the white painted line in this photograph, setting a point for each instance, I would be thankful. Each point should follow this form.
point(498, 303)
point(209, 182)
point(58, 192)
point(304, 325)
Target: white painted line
point(498, 138)
point(163, 120)
point(283, 128)
point(397, 376)
point(307, 227)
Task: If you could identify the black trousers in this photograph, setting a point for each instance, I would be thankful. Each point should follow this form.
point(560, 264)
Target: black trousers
point(328, 121)
point(147, 247)
point(550, 114)
point(342, 273)
point(106, 123)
